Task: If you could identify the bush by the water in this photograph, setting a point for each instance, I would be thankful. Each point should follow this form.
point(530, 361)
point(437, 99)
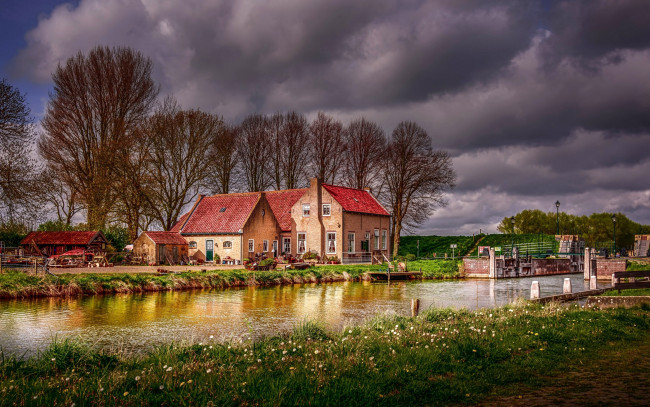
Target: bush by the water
point(438, 245)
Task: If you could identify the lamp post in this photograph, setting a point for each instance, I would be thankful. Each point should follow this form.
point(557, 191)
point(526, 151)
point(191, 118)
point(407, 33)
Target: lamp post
point(557, 211)
point(512, 247)
point(614, 222)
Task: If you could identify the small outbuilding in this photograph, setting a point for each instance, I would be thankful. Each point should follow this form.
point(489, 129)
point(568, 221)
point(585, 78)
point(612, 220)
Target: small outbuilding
point(53, 243)
point(161, 247)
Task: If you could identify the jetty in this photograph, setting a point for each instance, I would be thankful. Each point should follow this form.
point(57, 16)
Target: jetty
point(395, 275)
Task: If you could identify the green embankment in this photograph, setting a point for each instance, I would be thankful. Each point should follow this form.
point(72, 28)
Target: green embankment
point(17, 284)
point(436, 244)
point(633, 292)
point(467, 245)
point(441, 357)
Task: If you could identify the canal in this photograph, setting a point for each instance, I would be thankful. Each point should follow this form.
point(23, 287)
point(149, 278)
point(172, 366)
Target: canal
point(137, 322)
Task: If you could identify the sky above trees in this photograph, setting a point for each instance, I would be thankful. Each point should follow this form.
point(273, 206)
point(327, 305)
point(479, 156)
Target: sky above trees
point(535, 101)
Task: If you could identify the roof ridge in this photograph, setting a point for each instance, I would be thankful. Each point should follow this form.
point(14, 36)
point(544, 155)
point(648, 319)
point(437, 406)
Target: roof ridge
point(342, 186)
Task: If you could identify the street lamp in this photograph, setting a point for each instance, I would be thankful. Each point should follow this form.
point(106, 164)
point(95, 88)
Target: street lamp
point(512, 247)
point(557, 207)
point(614, 222)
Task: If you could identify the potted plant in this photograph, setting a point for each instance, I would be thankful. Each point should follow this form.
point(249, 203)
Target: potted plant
point(334, 259)
point(246, 261)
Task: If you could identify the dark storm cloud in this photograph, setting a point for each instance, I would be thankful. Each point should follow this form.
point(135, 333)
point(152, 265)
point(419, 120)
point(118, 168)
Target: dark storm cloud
point(593, 32)
point(536, 101)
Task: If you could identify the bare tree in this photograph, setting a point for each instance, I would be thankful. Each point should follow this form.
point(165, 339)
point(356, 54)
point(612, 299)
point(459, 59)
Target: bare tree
point(179, 165)
point(98, 101)
point(18, 171)
point(254, 149)
point(327, 147)
point(416, 178)
point(135, 181)
point(223, 153)
point(276, 124)
point(295, 150)
point(61, 196)
point(366, 145)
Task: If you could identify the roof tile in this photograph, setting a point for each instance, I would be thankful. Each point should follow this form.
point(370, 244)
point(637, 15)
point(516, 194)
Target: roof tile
point(209, 218)
point(281, 203)
point(63, 237)
point(166, 238)
point(356, 200)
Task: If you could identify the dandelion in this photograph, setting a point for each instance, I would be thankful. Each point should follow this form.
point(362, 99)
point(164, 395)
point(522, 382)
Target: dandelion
point(350, 331)
point(208, 371)
point(101, 389)
point(161, 387)
point(126, 393)
point(189, 381)
point(372, 357)
point(53, 359)
point(137, 378)
point(169, 369)
point(284, 352)
point(316, 352)
point(259, 360)
point(211, 336)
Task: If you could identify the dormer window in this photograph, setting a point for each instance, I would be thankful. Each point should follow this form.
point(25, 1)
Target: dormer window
point(222, 210)
point(305, 210)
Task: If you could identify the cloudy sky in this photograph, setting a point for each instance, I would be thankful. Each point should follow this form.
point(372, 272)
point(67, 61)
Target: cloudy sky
point(537, 101)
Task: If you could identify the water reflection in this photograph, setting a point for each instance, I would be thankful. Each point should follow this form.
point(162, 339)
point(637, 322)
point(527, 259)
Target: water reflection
point(137, 322)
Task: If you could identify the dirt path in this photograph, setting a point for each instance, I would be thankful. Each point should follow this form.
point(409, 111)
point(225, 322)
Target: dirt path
point(621, 377)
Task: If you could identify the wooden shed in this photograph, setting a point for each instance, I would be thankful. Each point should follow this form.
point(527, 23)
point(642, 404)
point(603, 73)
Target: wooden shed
point(161, 247)
point(52, 243)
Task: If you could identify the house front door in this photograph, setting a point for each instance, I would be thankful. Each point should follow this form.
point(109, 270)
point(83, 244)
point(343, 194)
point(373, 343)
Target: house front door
point(209, 250)
point(275, 248)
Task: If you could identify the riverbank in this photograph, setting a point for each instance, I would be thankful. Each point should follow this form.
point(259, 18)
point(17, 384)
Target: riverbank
point(17, 284)
point(441, 357)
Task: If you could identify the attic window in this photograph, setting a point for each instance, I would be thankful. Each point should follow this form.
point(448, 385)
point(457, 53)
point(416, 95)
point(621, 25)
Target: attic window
point(355, 200)
point(222, 210)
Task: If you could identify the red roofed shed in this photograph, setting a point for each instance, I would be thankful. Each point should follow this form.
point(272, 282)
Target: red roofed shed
point(51, 243)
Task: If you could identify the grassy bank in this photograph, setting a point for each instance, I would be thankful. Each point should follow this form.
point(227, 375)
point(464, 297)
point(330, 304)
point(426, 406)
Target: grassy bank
point(441, 357)
point(17, 284)
point(630, 292)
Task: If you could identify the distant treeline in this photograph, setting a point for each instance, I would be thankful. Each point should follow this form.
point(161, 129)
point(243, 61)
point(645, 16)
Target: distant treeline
point(596, 228)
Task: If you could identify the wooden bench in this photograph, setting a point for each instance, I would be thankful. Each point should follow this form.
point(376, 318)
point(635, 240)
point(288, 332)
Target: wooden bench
point(631, 277)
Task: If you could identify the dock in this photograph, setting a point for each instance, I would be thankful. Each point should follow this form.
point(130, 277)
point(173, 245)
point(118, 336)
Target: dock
point(396, 275)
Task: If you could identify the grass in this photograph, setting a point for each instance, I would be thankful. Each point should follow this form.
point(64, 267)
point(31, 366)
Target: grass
point(628, 292)
point(637, 265)
point(17, 284)
point(441, 357)
point(436, 244)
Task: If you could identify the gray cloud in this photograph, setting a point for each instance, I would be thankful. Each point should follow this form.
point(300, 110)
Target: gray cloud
point(533, 99)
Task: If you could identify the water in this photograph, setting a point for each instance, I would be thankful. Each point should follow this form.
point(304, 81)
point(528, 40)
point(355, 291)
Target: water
point(138, 322)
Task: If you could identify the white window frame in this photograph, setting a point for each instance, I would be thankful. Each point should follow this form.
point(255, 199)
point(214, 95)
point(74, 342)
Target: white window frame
point(384, 236)
point(192, 245)
point(328, 241)
point(351, 242)
point(306, 210)
point(251, 245)
point(227, 244)
point(304, 241)
point(265, 246)
point(286, 244)
point(376, 239)
point(329, 209)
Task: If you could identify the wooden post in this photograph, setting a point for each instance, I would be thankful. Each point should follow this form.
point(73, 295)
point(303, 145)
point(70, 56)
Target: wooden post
point(388, 274)
point(567, 286)
point(593, 284)
point(35, 269)
point(614, 280)
point(415, 307)
point(534, 290)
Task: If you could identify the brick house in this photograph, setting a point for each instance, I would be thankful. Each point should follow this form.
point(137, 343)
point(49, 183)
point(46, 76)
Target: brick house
point(51, 243)
point(326, 219)
point(230, 226)
point(338, 221)
point(161, 247)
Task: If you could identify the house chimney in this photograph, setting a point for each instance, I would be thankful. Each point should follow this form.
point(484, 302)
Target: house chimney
point(368, 190)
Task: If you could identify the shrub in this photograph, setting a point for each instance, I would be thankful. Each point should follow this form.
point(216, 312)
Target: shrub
point(410, 257)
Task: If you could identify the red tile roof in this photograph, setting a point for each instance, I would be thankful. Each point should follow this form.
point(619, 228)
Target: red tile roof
point(208, 216)
point(281, 203)
point(60, 238)
point(177, 225)
point(166, 238)
point(356, 200)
